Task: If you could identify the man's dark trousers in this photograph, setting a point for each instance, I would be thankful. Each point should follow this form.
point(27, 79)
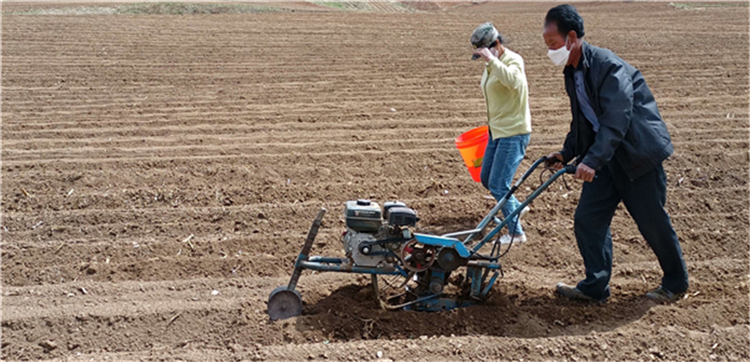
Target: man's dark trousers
point(644, 198)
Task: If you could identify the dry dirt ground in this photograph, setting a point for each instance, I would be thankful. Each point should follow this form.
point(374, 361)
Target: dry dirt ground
point(125, 135)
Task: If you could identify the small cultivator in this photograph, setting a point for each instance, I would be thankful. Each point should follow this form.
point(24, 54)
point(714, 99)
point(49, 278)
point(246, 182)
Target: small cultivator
point(409, 270)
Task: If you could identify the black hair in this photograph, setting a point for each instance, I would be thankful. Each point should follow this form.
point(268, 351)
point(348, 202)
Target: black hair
point(500, 38)
point(566, 18)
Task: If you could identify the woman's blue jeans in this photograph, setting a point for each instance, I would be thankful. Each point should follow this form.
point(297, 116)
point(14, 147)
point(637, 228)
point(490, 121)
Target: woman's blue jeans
point(501, 159)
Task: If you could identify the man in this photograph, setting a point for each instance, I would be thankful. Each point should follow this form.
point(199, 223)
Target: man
point(619, 141)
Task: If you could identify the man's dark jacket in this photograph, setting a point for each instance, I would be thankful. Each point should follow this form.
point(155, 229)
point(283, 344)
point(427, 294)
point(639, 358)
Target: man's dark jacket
point(630, 127)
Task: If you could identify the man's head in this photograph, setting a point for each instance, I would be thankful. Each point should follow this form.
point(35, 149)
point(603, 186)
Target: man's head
point(485, 36)
point(563, 27)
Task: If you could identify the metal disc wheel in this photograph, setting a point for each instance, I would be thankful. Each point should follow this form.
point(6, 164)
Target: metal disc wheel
point(284, 303)
point(417, 257)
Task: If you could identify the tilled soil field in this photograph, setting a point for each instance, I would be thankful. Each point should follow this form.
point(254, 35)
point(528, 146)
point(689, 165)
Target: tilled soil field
point(160, 172)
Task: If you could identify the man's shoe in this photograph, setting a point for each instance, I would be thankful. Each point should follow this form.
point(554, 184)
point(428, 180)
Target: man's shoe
point(507, 238)
point(573, 293)
point(662, 295)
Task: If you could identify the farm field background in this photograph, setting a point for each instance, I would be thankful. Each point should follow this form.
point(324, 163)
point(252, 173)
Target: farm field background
point(160, 172)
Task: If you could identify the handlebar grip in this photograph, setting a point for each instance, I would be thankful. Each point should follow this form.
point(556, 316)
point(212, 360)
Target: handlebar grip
point(570, 169)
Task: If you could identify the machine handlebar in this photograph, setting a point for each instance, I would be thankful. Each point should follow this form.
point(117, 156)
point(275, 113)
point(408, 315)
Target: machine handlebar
point(569, 169)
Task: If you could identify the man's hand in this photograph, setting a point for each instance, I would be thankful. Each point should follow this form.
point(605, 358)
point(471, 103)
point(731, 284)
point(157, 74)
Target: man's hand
point(485, 53)
point(550, 162)
point(585, 173)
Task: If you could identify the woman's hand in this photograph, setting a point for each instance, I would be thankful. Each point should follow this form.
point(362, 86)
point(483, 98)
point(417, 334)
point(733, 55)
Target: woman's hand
point(486, 53)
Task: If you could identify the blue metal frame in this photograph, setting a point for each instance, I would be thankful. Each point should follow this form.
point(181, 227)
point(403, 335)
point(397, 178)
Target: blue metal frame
point(345, 266)
point(477, 270)
point(526, 202)
point(447, 240)
point(441, 241)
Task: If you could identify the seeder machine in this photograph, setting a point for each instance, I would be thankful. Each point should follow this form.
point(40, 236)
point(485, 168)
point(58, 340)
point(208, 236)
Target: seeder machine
point(415, 269)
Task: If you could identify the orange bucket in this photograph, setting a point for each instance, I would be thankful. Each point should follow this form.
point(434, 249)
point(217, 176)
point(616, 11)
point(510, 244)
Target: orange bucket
point(471, 144)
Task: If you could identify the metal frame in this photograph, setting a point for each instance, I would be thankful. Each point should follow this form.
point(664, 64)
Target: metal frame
point(479, 267)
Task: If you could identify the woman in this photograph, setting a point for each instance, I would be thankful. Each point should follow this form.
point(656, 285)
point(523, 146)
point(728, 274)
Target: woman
point(506, 93)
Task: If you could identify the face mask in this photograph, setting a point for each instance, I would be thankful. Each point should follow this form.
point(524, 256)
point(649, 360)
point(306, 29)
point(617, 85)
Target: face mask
point(559, 56)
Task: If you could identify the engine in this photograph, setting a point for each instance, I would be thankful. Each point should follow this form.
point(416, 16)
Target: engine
point(375, 237)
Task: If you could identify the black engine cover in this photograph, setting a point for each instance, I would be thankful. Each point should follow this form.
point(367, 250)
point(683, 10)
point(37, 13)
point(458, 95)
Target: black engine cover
point(402, 216)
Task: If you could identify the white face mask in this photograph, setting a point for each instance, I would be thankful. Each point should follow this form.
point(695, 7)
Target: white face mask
point(559, 56)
